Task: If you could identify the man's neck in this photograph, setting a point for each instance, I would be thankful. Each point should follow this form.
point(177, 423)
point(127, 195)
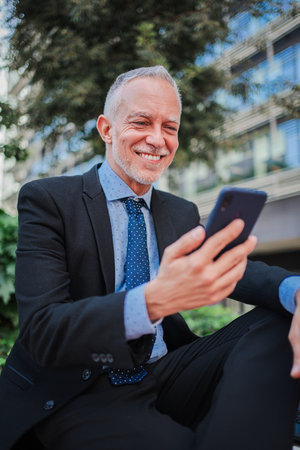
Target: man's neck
point(138, 188)
point(115, 188)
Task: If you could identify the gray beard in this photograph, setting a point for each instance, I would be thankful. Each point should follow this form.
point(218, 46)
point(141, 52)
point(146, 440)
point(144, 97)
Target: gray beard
point(130, 171)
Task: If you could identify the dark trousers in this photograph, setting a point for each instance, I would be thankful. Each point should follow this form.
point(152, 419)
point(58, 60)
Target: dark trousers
point(230, 390)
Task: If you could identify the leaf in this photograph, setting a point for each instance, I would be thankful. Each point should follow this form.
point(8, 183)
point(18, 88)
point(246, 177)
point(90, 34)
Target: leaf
point(6, 289)
point(8, 243)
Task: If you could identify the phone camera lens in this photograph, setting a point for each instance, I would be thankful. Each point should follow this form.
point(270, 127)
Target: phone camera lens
point(227, 201)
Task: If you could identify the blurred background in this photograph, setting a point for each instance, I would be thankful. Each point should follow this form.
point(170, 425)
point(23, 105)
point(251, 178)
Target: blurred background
point(237, 64)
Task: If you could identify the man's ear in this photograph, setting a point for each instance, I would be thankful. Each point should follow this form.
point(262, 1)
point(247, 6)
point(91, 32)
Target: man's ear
point(104, 128)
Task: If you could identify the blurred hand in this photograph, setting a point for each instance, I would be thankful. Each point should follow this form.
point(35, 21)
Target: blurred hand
point(190, 280)
point(294, 337)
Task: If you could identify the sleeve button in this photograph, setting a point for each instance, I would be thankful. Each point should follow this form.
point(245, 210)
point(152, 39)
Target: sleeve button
point(95, 357)
point(49, 405)
point(110, 358)
point(103, 358)
point(86, 374)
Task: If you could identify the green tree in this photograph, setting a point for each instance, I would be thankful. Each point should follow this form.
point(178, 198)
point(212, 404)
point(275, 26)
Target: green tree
point(208, 319)
point(71, 50)
point(8, 243)
point(12, 148)
point(8, 307)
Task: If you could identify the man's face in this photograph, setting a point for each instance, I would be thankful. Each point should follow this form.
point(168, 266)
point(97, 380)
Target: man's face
point(144, 132)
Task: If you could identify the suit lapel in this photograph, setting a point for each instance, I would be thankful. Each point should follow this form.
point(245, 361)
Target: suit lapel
point(95, 202)
point(164, 228)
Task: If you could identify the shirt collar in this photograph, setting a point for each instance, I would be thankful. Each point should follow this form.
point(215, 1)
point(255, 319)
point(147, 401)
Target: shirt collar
point(115, 188)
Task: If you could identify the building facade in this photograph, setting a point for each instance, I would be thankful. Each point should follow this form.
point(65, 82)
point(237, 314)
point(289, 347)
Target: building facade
point(264, 53)
point(265, 129)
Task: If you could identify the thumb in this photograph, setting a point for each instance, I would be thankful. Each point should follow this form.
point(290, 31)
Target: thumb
point(185, 244)
point(294, 337)
point(295, 372)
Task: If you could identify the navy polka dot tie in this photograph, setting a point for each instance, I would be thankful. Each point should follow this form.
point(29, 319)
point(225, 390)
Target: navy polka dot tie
point(119, 377)
point(137, 271)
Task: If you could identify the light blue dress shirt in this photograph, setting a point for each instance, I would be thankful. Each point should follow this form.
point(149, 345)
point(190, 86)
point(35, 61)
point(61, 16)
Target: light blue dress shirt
point(287, 290)
point(136, 319)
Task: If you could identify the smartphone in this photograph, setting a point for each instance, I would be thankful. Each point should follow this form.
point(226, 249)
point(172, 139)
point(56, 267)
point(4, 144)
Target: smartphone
point(235, 203)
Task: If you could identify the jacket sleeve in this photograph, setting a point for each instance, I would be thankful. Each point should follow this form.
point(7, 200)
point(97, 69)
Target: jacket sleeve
point(260, 286)
point(56, 330)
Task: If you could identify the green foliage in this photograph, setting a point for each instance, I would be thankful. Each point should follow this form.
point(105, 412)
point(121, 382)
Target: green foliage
point(9, 119)
point(8, 243)
point(13, 150)
point(208, 319)
point(71, 51)
point(8, 307)
point(7, 339)
point(7, 115)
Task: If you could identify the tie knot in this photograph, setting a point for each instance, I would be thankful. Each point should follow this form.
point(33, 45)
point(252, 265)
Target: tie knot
point(134, 206)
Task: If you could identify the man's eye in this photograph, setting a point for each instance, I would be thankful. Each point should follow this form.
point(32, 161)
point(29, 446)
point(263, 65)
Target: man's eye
point(140, 123)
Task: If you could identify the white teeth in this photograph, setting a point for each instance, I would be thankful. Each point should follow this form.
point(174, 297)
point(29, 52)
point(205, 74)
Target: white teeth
point(152, 157)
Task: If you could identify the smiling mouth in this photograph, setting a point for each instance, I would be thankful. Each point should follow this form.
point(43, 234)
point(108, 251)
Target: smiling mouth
point(150, 157)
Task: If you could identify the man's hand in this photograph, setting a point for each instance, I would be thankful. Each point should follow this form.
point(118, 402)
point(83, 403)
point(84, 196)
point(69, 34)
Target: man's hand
point(294, 337)
point(190, 280)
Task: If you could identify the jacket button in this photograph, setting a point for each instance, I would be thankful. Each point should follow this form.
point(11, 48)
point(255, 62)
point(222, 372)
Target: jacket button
point(49, 405)
point(95, 357)
point(103, 357)
point(86, 374)
point(110, 358)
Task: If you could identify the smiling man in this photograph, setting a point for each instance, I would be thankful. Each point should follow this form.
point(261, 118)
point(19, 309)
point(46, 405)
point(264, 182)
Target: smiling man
point(142, 134)
point(105, 263)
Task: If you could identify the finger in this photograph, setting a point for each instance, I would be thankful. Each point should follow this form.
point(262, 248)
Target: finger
point(216, 243)
point(224, 293)
point(185, 244)
point(295, 372)
point(294, 337)
point(234, 256)
point(229, 280)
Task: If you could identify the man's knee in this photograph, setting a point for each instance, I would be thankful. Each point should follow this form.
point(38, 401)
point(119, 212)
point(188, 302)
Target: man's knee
point(265, 345)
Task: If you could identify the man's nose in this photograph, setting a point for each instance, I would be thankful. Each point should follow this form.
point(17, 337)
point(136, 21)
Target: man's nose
point(155, 138)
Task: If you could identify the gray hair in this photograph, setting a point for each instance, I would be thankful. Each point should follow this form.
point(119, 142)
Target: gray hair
point(113, 97)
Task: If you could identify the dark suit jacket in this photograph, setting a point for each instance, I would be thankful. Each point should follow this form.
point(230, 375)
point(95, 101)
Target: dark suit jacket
point(71, 321)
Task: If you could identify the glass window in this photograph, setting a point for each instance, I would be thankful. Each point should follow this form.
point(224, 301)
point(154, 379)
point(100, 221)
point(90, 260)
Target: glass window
point(291, 133)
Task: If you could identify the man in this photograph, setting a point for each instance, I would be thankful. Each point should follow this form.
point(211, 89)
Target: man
point(103, 360)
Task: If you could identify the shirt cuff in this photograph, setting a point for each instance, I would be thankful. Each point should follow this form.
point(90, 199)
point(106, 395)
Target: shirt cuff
point(136, 319)
point(287, 290)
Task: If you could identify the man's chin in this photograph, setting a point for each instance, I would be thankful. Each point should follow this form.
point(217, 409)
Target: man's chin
point(146, 177)
point(145, 180)
point(144, 174)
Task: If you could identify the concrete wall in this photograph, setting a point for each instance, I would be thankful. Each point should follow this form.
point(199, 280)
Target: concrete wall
point(278, 227)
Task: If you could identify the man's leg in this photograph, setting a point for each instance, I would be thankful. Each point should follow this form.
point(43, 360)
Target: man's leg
point(233, 387)
point(110, 417)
